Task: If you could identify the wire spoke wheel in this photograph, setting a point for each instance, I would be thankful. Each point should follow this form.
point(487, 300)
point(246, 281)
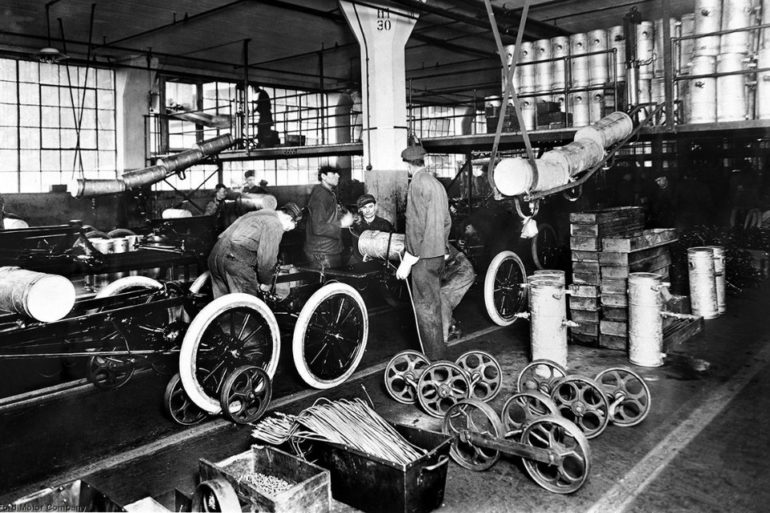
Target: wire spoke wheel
point(505, 293)
point(628, 394)
point(484, 374)
point(178, 405)
point(245, 394)
point(330, 336)
point(231, 331)
point(477, 417)
point(545, 247)
point(571, 468)
point(441, 386)
point(521, 409)
point(402, 373)
point(540, 376)
point(582, 401)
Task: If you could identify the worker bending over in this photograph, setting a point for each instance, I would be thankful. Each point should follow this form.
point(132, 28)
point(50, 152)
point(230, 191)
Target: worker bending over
point(244, 257)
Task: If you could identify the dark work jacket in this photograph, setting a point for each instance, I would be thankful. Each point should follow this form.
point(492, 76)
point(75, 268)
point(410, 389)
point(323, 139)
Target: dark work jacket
point(254, 239)
point(323, 232)
point(427, 216)
point(378, 223)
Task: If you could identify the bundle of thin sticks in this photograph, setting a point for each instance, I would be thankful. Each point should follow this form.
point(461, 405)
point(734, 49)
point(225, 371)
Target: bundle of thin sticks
point(350, 423)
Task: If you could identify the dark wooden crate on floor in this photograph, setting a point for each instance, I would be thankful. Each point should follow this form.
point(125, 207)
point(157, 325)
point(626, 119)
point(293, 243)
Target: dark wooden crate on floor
point(617, 328)
point(615, 313)
point(614, 300)
point(583, 339)
point(583, 303)
point(584, 256)
point(581, 290)
point(613, 342)
point(580, 316)
point(644, 240)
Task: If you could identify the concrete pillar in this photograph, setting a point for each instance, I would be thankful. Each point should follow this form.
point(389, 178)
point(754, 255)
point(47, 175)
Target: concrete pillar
point(339, 131)
point(382, 36)
point(132, 87)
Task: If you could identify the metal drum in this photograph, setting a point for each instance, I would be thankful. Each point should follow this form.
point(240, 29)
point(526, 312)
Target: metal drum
point(597, 64)
point(617, 41)
point(659, 49)
point(719, 276)
point(645, 324)
point(609, 130)
point(528, 112)
point(514, 176)
point(703, 91)
point(543, 69)
point(596, 109)
point(509, 51)
point(645, 95)
point(552, 274)
point(41, 296)
point(731, 89)
point(526, 70)
point(548, 317)
point(578, 44)
point(376, 244)
point(576, 156)
point(578, 103)
point(708, 18)
point(686, 46)
point(763, 84)
point(737, 14)
point(644, 48)
point(658, 92)
point(559, 50)
point(560, 99)
point(703, 289)
point(764, 34)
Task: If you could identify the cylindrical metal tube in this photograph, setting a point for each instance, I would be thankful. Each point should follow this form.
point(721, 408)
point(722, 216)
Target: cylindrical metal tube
point(644, 48)
point(560, 51)
point(609, 130)
point(543, 78)
point(763, 84)
point(645, 325)
point(87, 187)
point(703, 290)
point(375, 244)
point(617, 41)
point(577, 156)
point(597, 63)
point(708, 19)
point(731, 89)
point(216, 144)
point(146, 176)
point(579, 45)
point(514, 176)
point(736, 14)
point(44, 297)
point(578, 103)
point(248, 202)
point(181, 160)
point(703, 91)
point(719, 277)
point(548, 315)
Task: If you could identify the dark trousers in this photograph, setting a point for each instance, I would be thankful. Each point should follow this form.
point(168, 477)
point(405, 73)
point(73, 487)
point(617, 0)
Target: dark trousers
point(456, 279)
point(229, 273)
point(324, 260)
point(426, 289)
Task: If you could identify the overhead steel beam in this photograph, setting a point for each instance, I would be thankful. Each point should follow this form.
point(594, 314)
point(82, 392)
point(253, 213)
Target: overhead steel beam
point(510, 19)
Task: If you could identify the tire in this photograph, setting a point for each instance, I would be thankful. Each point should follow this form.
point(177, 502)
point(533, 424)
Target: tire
point(200, 282)
point(120, 232)
point(97, 234)
point(208, 400)
point(545, 247)
point(126, 283)
point(505, 260)
point(357, 327)
point(215, 495)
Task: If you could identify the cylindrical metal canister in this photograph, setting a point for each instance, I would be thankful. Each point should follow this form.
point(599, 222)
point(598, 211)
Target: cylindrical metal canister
point(645, 52)
point(736, 14)
point(609, 130)
point(181, 160)
point(548, 315)
point(645, 94)
point(526, 70)
point(543, 69)
point(375, 244)
point(596, 108)
point(550, 274)
point(658, 94)
point(514, 176)
point(719, 276)
point(105, 247)
point(578, 104)
point(44, 297)
point(597, 63)
point(577, 156)
point(658, 48)
point(645, 325)
point(763, 83)
point(119, 244)
point(702, 92)
point(528, 112)
point(731, 89)
point(708, 19)
point(559, 50)
point(764, 34)
point(173, 213)
point(146, 176)
point(133, 241)
point(686, 46)
point(215, 144)
point(617, 41)
point(87, 187)
point(250, 201)
point(703, 290)
point(578, 44)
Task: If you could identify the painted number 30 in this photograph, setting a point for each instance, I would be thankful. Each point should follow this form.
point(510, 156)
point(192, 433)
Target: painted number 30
point(383, 24)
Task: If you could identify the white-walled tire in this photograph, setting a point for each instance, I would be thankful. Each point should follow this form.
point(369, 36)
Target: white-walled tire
point(221, 338)
point(330, 335)
point(200, 282)
point(505, 292)
point(128, 283)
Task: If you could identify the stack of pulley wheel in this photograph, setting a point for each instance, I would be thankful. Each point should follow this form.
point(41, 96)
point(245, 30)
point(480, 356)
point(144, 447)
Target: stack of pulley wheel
point(617, 395)
point(554, 451)
point(411, 378)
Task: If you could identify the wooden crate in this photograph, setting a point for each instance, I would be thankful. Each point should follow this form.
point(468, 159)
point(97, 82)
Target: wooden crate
point(586, 328)
point(607, 229)
point(311, 490)
point(617, 328)
point(584, 256)
point(583, 303)
point(585, 243)
point(586, 278)
point(608, 286)
point(580, 290)
point(644, 266)
point(592, 316)
point(613, 342)
point(614, 300)
point(607, 215)
point(615, 313)
point(618, 258)
point(583, 339)
point(638, 241)
point(586, 267)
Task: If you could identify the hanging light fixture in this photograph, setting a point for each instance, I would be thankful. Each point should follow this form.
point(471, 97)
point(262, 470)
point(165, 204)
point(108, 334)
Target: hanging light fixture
point(50, 54)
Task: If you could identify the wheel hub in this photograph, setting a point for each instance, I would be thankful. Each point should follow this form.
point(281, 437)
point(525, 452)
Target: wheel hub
point(444, 391)
point(579, 408)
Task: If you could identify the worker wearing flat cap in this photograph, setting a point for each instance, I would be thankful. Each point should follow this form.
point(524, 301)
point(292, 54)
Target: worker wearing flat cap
point(367, 219)
point(427, 235)
point(250, 185)
point(245, 254)
point(326, 219)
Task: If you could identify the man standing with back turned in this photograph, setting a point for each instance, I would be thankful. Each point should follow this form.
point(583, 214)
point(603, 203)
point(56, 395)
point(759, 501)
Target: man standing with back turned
point(427, 234)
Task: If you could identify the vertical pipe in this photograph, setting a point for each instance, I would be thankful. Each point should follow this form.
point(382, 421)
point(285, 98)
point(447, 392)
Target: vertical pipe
point(668, 63)
point(322, 114)
point(246, 121)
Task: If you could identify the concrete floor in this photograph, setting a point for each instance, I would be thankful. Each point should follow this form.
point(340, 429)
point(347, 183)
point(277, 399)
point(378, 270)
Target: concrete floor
point(704, 446)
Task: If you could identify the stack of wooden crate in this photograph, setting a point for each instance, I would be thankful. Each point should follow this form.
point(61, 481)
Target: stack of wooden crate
point(587, 233)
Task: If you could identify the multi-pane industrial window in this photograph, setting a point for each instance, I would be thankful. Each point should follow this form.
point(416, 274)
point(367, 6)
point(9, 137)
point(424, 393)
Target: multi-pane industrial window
point(41, 107)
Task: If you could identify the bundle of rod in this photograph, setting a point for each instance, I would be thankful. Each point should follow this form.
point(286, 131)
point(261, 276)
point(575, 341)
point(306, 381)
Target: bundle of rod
point(165, 167)
point(350, 423)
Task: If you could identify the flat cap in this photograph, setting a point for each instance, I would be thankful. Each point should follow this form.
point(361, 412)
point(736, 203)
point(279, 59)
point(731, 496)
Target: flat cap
point(249, 173)
point(365, 199)
point(413, 152)
point(293, 211)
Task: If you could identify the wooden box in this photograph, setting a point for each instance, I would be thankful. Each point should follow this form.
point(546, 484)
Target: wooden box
point(615, 313)
point(583, 303)
point(614, 300)
point(578, 290)
point(76, 495)
point(608, 216)
point(617, 328)
point(311, 484)
point(639, 241)
point(584, 256)
point(586, 328)
point(581, 316)
point(613, 342)
point(583, 339)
